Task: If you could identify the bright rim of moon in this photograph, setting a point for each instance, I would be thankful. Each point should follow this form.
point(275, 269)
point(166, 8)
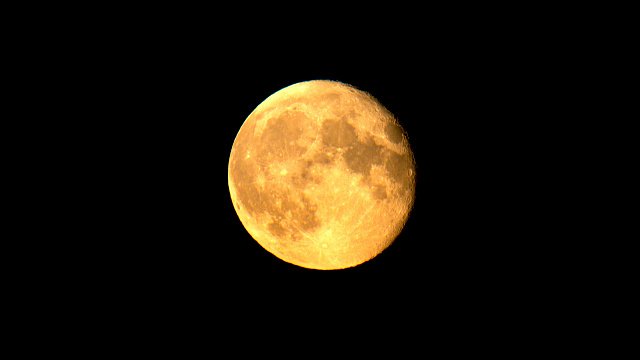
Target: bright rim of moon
point(322, 175)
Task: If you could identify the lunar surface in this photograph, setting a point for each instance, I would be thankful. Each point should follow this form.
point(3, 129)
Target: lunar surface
point(322, 175)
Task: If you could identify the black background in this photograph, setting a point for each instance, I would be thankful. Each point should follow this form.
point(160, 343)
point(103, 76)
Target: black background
point(139, 108)
point(173, 119)
point(161, 103)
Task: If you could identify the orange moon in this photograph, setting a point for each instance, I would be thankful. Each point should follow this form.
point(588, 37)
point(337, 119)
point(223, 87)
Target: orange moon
point(322, 176)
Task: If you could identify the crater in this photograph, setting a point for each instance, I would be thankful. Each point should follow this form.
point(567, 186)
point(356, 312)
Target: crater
point(398, 167)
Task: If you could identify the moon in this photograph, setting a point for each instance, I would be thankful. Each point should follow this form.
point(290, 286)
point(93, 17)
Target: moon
point(322, 175)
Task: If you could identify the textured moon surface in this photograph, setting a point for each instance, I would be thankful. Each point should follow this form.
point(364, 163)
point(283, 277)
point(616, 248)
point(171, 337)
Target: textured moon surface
point(322, 176)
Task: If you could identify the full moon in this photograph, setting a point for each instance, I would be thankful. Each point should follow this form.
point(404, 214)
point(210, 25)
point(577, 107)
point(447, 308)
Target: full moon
point(322, 176)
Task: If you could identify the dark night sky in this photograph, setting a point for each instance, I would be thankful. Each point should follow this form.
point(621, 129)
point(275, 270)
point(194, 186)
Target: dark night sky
point(141, 241)
point(169, 106)
point(183, 113)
